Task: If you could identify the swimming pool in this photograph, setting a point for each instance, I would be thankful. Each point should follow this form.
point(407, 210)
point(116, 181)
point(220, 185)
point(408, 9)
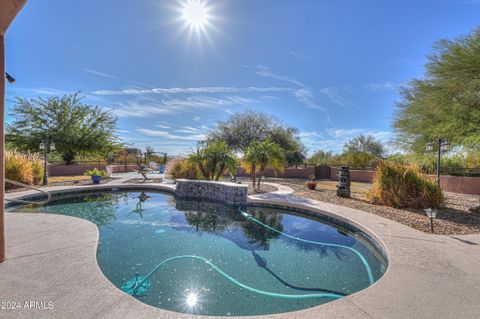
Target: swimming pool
point(209, 259)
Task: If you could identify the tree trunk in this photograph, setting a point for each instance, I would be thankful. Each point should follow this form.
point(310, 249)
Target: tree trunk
point(253, 175)
point(202, 170)
point(260, 174)
point(68, 157)
point(220, 172)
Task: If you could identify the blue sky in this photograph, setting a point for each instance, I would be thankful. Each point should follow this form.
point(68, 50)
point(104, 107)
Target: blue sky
point(329, 67)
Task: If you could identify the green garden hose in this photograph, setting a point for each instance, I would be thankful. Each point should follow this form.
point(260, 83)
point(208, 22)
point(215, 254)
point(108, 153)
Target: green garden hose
point(140, 284)
point(144, 282)
point(360, 256)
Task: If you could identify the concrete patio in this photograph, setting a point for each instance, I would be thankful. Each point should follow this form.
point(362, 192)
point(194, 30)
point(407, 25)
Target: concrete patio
point(52, 258)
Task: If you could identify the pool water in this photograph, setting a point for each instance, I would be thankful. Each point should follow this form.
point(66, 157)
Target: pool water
point(209, 259)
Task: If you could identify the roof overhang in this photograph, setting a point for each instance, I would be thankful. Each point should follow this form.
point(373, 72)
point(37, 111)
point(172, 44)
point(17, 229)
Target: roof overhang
point(8, 11)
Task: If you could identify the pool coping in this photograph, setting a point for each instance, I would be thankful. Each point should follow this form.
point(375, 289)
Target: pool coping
point(409, 253)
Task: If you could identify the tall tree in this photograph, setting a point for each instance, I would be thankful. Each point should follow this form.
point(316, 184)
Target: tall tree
point(75, 128)
point(243, 129)
point(364, 144)
point(322, 157)
point(149, 151)
point(446, 101)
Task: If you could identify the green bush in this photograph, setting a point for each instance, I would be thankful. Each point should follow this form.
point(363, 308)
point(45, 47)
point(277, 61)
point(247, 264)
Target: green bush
point(213, 159)
point(359, 160)
point(96, 172)
point(182, 168)
point(401, 186)
point(23, 168)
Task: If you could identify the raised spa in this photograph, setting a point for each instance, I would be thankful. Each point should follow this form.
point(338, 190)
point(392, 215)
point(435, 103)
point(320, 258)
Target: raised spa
point(209, 259)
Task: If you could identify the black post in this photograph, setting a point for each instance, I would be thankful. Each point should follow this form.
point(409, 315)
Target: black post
point(431, 224)
point(45, 165)
point(438, 160)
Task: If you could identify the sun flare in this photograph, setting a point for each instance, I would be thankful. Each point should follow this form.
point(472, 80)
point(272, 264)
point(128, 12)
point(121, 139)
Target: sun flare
point(195, 13)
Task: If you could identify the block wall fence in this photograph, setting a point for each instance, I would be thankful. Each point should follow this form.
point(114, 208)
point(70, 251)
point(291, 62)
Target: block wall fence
point(453, 184)
point(72, 170)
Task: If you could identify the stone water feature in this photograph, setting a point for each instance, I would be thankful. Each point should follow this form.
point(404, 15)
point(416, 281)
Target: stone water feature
point(224, 192)
point(343, 186)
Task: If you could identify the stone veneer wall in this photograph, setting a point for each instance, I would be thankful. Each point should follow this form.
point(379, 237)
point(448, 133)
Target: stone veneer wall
point(230, 193)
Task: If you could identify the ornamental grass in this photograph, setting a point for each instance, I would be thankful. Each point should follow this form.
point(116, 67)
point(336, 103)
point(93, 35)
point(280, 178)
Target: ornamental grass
point(404, 186)
point(26, 168)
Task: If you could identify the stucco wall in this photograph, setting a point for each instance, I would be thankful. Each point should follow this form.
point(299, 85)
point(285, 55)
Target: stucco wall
point(363, 176)
point(300, 172)
point(453, 184)
point(460, 184)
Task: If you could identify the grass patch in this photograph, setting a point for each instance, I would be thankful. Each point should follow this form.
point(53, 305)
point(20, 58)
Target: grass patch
point(63, 179)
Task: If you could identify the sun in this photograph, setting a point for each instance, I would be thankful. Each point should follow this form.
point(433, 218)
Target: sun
point(195, 13)
point(198, 21)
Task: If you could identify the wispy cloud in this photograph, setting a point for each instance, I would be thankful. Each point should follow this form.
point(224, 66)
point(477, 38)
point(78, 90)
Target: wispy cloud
point(191, 129)
point(266, 72)
point(168, 135)
point(142, 108)
point(41, 91)
point(335, 95)
point(304, 94)
point(113, 77)
point(381, 86)
point(105, 75)
point(302, 56)
point(193, 90)
point(163, 126)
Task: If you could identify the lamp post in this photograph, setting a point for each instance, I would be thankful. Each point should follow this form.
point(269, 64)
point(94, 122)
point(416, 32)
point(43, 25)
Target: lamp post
point(44, 145)
point(442, 146)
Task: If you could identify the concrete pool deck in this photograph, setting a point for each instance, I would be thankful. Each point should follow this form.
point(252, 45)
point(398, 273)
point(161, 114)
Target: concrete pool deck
point(52, 258)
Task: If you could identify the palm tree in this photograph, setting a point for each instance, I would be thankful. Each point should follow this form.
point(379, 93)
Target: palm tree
point(260, 156)
point(213, 160)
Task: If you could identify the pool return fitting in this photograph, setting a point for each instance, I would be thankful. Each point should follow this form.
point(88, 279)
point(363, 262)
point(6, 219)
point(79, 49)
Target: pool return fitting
point(139, 285)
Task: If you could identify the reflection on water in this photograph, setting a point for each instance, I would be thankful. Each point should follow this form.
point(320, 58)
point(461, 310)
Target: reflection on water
point(140, 230)
point(214, 217)
point(100, 209)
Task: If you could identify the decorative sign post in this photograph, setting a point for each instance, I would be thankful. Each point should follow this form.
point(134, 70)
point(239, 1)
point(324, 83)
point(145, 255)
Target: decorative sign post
point(343, 186)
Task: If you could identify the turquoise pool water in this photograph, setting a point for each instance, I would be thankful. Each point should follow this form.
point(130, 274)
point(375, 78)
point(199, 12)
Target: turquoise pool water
point(209, 259)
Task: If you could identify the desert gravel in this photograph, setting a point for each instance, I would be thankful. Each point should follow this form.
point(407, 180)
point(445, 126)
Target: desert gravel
point(453, 219)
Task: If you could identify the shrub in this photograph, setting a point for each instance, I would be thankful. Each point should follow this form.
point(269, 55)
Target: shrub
point(23, 168)
point(213, 159)
point(182, 168)
point(96, 172)
point(38, 169)
point(359, 159)
point(403, 186)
